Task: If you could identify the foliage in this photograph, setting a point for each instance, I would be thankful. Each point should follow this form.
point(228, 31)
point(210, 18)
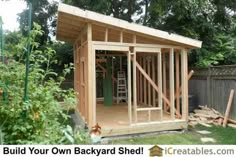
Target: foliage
point(41, 119)
point(74, 137)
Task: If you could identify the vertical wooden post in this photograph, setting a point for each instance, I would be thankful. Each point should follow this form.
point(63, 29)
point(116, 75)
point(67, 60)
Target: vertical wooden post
point(153, 78)
point(121, 37)
point(159, 71)
point(145, 81)
point(129, 88)
point(172, 84)
point(164, 78)
point(141, 82)
point(134, 87)
point(149, 85)
point(113, 82)
point(91, 91)
point(106, 35)
point(184, 80)
point(177, 82)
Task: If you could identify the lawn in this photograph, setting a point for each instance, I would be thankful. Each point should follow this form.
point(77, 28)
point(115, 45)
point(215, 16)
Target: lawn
point(220, 134)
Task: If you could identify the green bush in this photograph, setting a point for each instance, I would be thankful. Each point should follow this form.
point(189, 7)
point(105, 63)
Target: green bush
point(41, 119)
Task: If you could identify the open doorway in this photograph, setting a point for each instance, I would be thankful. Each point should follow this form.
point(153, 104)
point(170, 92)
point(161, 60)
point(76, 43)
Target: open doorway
point(111, 89)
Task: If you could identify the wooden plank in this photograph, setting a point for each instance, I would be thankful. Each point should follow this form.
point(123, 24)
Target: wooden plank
point(153, 47)
point(141, 82)
point(111, 48)
point(111, 55)
point(145, 81)
point(147, 49)
point(172, 84)
point(106, 35)
point(149, 115)
point(149, 108)
point(145, 127)
point(138, 79)
point(164, 79)
point(121, 36)
point(159, 77)
point(177, 95)
point(231, 96)
point(153, 78)
point(184, 80)
point(149, 85)
point(134, 87)
point(129, 87)
point(91, 91)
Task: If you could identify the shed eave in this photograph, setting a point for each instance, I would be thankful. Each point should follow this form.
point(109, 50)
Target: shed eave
point(93, 17)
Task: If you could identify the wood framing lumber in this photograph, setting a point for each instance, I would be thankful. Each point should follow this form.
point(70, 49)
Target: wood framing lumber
point(177, 95)
point(105, 70)
point(231, 96)
point(154, 86)
point(172, 84)
point(164, 78)
point(159, 81)
point(67, 11)
point(129, 87)
point(149, 85)
point(134, 87)
point(184, 80)
point(145, 81)
point(153, 78)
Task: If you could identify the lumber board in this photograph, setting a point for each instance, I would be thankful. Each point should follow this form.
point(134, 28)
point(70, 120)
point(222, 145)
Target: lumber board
point(129, 87)
point(177, 95)
point(164, 79)
point(145, 81)
point(149, 85)
point(184, 80)
point(172, 84)
point(231, 96)
point(134, 87)
point(153, 78)
point(159, 80)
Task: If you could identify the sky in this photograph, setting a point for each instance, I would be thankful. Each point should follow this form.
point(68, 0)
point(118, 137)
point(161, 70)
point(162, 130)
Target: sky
point(9, 10)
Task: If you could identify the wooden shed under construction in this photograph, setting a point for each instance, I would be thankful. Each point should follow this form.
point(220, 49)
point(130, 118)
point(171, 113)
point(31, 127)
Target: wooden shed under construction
point(144, 72)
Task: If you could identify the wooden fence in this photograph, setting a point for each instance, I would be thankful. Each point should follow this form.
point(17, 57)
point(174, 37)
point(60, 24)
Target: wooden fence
point(211, 86)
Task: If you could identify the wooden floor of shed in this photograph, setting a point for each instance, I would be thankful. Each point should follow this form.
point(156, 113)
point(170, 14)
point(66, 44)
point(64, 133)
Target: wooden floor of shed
point(114, 120)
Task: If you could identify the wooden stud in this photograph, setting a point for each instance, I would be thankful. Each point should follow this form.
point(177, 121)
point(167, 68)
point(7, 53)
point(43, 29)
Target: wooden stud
point(141, 82)
point(149, 86)
point(153, 78)
point(134, 87)
point(129, 87)
point(159, 71)
point(145, 81)
point(231, 96)
point(177, 95)
point(172, 84)
point(164, 78)
point(106, 35)
point(184, 80)
point(121, 37)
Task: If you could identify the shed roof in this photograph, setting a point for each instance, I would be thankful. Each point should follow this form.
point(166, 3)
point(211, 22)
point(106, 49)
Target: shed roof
point(71, 21)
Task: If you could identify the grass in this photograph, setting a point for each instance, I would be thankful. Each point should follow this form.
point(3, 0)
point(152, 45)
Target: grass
point(220, 134)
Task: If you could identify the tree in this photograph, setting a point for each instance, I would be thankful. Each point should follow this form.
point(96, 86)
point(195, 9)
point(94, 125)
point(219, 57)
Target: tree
point(44, 14)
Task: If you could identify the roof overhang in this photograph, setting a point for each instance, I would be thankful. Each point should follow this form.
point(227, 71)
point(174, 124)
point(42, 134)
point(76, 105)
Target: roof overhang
point(71, 21)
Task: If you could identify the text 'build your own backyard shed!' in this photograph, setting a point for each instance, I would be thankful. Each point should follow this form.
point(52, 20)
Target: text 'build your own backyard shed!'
point(144, 72)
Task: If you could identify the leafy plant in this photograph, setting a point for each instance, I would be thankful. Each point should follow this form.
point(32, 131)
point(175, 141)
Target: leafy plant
point(42, 118)
point(74, 137)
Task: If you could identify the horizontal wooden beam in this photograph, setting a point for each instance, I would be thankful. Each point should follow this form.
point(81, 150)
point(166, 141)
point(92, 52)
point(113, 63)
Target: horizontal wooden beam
point(101, 60)
point(111, 55)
